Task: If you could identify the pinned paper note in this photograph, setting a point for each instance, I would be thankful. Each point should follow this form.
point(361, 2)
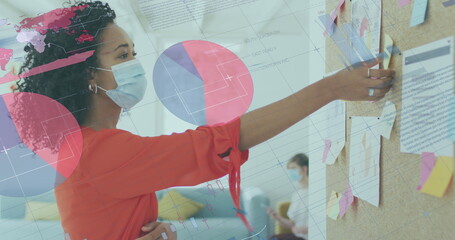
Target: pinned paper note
point(334, 151)
point(327, 145)
point(388, 46)
point(346, 200)
point(364, 157)
point(419, 12)
point(451, 119)
point(387, 119)
point(335, 131)
point(426, 166)
point(333, 206)
point(440, 177)
point(424, 98)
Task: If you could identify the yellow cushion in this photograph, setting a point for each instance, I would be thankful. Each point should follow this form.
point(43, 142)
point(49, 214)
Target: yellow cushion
point(282, 210)
point(174, 206)
point(41, 211)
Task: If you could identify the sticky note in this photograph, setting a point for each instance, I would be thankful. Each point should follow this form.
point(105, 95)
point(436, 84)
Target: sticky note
point(328, 24)
point(402, 3)
point(327, 145)
point(363, 26)
point(451, 119)
point(449, 3)
point(388, 44)
point(387, 119)
point(333, 15)
point(440, 177)
point(346, 200)
point(426, 166)
point(329, 21)
point(419, 12)
point(333, 206)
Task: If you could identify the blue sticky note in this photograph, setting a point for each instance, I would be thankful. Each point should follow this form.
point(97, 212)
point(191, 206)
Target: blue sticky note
point(328, 23)
point(449, 3)
point(451, 119)
point(419, 12)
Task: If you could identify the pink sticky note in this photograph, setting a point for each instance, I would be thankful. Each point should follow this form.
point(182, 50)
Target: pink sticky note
point(341, 4)
point(334, 13)
point(426, 166)
point(402, 3)
point(328, 145)
point(346, 200)
point(364, 26)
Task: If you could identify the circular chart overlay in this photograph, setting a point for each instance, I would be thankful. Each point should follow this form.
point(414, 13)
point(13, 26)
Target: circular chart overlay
point(40, 144)
point(202, 82)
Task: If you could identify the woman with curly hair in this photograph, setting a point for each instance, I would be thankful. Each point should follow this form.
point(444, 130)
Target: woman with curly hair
point(111, 193)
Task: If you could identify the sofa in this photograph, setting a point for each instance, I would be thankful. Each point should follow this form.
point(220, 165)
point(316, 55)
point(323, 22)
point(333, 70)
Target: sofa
point(13, 225)
point(216, 220)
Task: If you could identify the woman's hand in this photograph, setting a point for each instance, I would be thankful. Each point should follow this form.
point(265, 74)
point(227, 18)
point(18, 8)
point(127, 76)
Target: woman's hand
point(273, 214)
point(155, 231)
point(266, 122)
point(299, 230)
point(354, 84)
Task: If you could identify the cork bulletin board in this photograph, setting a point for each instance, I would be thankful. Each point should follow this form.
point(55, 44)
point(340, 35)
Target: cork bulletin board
point(403, 213)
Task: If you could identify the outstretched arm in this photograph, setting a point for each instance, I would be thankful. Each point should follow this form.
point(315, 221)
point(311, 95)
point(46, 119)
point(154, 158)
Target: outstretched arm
point(266, 122)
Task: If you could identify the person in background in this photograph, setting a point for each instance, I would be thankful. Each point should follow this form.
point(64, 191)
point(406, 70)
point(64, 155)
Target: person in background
point(298, 210)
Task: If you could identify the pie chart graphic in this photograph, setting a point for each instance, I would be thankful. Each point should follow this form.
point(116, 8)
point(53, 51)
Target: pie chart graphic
point(202, 82)
point(40, 144)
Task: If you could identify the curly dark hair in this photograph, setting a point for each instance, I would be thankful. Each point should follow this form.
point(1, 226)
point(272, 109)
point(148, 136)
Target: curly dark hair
point(68, 85)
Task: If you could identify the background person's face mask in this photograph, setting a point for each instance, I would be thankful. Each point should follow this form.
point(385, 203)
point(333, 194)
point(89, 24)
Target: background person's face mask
point(131, 84)
point(294, 174)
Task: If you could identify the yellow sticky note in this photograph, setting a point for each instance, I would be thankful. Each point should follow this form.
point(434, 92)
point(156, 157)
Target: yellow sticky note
point(439, 178)
point(333, 206)
point(388, 45)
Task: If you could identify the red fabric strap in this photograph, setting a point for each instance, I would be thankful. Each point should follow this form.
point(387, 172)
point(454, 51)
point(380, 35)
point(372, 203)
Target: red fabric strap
point(234, 185)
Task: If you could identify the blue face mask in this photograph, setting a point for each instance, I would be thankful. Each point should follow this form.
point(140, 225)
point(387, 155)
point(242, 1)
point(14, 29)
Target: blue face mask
point(294, 174)
point(131, 84)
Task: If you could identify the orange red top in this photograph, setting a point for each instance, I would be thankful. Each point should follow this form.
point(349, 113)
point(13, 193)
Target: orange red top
point(111, 193)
